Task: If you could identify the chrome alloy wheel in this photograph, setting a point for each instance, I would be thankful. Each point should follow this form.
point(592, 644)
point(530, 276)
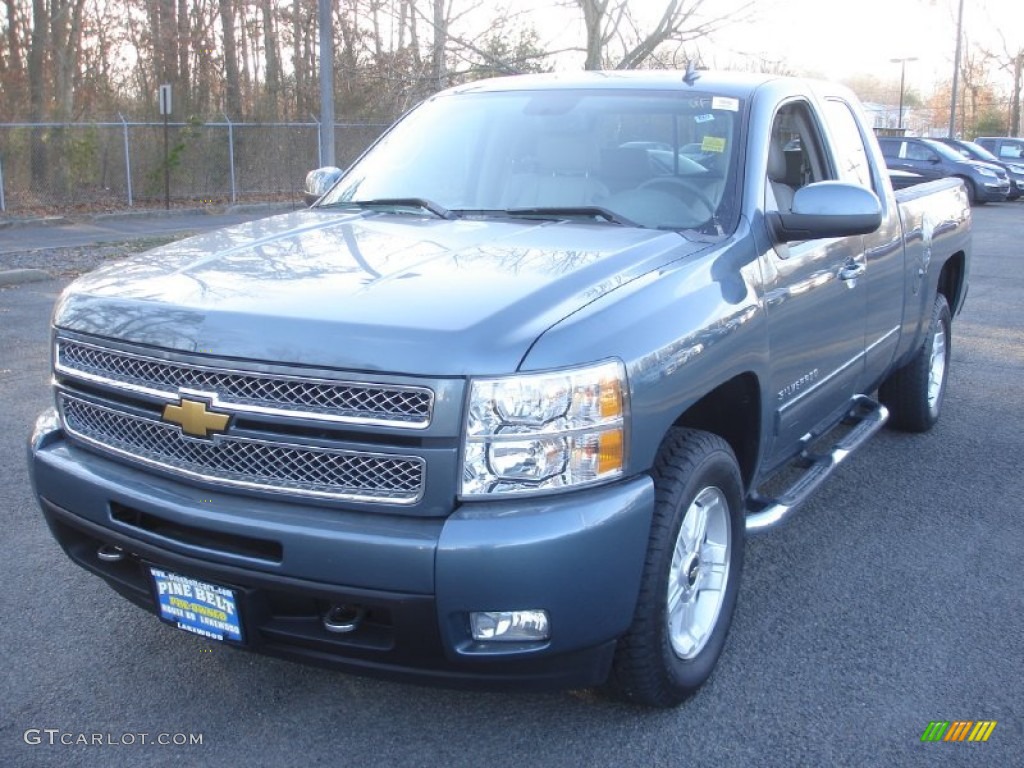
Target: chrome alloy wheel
point(699, 573)
point(936, 368)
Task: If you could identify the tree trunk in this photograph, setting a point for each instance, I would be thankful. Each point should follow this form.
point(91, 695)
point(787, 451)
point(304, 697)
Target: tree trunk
point(232, 90)
point(184, 77)
point(593, 23)
point(378, 44)
point(13, 63)
point(437, 63)
point(36, 92)
point(245, 30)
point(273, 57)
point(66, 34)
point(298, 64)
point(1018, 76)
point(414, 37)
point(168, 41)
point(155, 36)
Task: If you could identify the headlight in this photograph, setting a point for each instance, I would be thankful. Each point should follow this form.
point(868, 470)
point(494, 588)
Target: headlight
point(987, 172)
point(542, 432)
point(1018, 169)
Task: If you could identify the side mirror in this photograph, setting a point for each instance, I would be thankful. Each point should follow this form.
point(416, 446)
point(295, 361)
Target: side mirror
point(934, 160)
point(319, 181)
point(828, 209)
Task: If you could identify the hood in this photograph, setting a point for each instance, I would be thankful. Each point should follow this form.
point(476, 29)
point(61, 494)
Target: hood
point(986, 165)
point(371, 292)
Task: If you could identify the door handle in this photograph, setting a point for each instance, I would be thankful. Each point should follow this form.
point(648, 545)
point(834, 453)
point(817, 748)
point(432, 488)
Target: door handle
point(852, 271)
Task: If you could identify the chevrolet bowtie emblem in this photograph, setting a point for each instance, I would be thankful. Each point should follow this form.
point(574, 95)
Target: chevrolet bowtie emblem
point(194, 419)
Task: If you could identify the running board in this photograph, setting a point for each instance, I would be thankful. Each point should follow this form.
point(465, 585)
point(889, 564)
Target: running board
point(868, 417)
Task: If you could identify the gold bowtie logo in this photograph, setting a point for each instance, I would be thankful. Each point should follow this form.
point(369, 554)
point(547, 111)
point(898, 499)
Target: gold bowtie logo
point(194, 419)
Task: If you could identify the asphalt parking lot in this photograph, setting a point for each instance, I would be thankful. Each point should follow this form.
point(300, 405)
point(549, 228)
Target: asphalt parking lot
point(892, 600)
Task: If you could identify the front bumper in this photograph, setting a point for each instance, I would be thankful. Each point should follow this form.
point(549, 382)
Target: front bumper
point(1016, 187)
point(578, 556)
point(993, 190)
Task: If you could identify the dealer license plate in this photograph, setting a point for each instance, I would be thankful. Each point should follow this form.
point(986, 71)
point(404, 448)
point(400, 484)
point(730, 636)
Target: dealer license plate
point(197, 606)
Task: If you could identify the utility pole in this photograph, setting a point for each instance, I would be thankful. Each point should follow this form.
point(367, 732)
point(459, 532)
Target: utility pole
point(956, 71)
point(326, 83)
point(903, 80)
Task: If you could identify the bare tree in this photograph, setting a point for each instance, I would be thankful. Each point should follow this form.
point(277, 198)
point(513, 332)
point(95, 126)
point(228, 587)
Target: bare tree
point(272, 80)
point(36, 81)
point(1010, 58)
point(10, 62)
point(183, 76)
point(437, 59)
point(66, 34)
point(617, 39)
point(1018, 83)
point(233, 90)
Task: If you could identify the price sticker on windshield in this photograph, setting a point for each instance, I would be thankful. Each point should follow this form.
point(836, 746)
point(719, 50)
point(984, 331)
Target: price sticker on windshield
point(713, 144)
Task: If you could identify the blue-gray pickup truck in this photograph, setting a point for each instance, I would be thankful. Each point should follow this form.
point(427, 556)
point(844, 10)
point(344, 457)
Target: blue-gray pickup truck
point(501, 407)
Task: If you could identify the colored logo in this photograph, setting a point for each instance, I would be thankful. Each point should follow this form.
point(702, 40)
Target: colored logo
point(958, 730)
point(194, 419)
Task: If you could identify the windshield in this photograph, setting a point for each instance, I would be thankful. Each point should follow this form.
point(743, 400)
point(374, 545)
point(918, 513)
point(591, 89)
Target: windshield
point(946, 151)
point(653, 159)
point(978, 152)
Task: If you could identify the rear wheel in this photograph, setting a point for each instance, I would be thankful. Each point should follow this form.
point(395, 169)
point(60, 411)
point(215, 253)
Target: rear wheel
point(914, 393)
point(691, 574)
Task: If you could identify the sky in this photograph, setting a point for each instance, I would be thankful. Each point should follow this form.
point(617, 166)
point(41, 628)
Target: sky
point(836, 39)
point(839, 38)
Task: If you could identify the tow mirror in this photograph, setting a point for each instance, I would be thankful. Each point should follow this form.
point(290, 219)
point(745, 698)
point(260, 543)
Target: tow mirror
point(318, 182)
point(827, 209)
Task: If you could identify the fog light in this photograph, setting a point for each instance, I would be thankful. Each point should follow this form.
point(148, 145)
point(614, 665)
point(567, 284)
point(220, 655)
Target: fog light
point(510, 626)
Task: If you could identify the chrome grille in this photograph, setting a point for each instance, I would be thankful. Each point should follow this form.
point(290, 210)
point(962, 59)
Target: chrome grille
point(319, 399)
point(246, 462)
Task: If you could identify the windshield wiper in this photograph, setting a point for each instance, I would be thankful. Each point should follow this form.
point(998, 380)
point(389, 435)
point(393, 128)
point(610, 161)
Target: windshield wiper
point(558, 212)
point(398, 202)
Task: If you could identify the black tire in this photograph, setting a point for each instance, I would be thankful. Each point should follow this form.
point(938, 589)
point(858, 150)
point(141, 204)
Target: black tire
point(647, 668)
point(914, 400)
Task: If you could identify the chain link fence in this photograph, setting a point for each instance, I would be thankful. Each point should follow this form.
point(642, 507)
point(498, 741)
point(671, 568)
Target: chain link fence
point(59, 167)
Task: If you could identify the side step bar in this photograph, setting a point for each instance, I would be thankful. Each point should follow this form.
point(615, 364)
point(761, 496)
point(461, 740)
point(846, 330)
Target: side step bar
point(867, 416)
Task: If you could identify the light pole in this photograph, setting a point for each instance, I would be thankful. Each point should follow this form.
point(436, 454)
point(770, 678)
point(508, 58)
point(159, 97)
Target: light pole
point(326, 82)
point(903, 80)
point(956, 71)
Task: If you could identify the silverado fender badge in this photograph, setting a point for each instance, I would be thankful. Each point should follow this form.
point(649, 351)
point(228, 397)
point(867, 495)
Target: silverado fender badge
point(194, 419)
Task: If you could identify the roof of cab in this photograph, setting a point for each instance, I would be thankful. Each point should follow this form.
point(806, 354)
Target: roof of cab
point(735, 84)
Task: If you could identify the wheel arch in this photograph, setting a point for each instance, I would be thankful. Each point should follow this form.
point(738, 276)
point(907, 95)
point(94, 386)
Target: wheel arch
point(970, 187)
point(952, 281)
point(733, 412)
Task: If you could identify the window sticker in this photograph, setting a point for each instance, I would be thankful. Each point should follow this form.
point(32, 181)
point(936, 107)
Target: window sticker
point(725, 102)
point(703, 118)
point(713, 144)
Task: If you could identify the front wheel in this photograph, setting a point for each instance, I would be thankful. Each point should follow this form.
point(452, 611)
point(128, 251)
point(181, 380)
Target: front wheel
point(914, 393)
point(972, 191)
point(691, 573)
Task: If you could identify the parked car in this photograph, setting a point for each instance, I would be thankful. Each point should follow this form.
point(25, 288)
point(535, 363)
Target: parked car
point(1006, 148)
point(974, 151)
point(501, 407)
point(931, 159)
point(904, 179)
